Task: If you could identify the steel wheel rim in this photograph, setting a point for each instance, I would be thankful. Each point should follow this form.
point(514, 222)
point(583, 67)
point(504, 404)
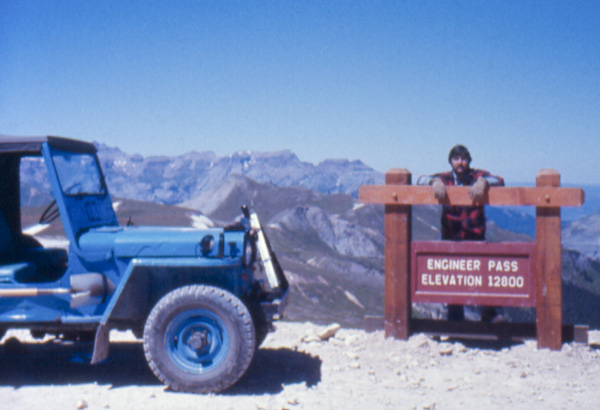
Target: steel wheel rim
point(197, 341)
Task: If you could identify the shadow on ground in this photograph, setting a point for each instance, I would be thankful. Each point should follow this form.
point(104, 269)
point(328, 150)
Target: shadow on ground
point(483, 344)
point(272, 369)
point(52, 363)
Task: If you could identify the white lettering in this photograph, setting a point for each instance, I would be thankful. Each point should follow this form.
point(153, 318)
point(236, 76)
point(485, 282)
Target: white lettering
point(503, 266)
point(495, 281)
point(457, 265)
point(440, 279)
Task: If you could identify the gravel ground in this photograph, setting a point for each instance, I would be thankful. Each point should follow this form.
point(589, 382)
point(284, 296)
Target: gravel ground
point(295, 369)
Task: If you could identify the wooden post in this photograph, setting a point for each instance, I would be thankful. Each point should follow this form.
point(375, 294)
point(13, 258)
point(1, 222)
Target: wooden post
point(549, 286)
point(397, 226)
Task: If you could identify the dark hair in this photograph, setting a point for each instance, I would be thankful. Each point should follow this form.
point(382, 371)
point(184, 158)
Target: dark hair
point(459, 150)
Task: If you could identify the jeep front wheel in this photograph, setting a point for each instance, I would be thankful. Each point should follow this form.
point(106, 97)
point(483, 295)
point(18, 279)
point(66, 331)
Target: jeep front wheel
point(199, 339)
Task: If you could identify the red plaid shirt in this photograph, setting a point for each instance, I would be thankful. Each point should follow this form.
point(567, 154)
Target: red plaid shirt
point(460, 223)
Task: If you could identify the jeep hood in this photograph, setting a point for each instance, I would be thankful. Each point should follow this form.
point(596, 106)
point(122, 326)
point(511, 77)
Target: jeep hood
point(157, 242)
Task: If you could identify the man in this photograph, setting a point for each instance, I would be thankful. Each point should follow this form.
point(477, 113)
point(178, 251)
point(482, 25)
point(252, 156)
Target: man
point(461, 223)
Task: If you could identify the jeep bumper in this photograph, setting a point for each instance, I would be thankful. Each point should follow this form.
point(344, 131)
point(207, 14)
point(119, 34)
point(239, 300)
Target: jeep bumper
point(275, 309)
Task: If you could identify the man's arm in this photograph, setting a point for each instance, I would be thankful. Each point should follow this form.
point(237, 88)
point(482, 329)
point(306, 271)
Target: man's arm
point(493, 180)
point(425, 179)
point(439, 189)
point(483, 180)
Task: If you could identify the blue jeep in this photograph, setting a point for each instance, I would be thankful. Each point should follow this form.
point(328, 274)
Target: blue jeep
point(202, 300)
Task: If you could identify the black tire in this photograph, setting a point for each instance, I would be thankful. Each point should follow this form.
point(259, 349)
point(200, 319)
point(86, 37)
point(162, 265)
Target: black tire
point(199, 339)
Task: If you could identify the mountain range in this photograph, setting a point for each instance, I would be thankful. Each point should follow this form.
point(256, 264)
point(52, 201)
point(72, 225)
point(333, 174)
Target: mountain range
point(330, 245)
point(175, 180)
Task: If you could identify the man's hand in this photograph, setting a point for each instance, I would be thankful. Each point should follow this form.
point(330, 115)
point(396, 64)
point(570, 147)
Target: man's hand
point(439, 190)
point(478, 190)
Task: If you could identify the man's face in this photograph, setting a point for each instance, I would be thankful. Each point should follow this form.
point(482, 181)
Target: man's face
point(460, 164)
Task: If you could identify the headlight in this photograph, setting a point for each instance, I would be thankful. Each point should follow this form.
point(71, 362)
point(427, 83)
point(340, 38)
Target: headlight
point(207, 244)
point(249, 250)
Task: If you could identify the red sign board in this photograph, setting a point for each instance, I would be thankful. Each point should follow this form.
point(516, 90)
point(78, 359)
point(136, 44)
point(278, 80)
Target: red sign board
point(473, 273)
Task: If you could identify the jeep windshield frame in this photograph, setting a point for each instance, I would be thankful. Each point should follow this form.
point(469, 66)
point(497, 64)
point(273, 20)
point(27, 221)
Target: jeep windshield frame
point(79, 187)
point(79, 174)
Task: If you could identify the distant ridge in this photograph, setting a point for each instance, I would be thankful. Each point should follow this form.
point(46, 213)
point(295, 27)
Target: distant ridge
point(175, 180)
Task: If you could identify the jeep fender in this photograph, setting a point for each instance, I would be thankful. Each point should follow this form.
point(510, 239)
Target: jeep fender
point(146, 280)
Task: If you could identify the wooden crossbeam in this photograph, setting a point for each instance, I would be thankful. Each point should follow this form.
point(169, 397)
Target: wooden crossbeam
point(544, 197)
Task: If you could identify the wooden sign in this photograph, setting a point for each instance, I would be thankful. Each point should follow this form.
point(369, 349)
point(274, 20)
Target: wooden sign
point(473, 273)
point(547, 196)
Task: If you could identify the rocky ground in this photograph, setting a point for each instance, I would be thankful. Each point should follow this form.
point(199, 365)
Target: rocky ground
point(296, 369)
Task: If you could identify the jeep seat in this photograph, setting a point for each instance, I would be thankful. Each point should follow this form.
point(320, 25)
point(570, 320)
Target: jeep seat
point(17, 272)
point(28, 262)
point(7, 244)
point(49, 263)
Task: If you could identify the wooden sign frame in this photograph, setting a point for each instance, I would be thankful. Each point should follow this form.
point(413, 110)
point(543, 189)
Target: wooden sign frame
point(398, 196)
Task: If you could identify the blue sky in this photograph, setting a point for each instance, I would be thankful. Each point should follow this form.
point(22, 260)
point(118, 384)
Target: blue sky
point(395, 84)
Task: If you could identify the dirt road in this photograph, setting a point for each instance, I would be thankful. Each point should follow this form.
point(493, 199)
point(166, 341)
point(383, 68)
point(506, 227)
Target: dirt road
point(296, 370)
